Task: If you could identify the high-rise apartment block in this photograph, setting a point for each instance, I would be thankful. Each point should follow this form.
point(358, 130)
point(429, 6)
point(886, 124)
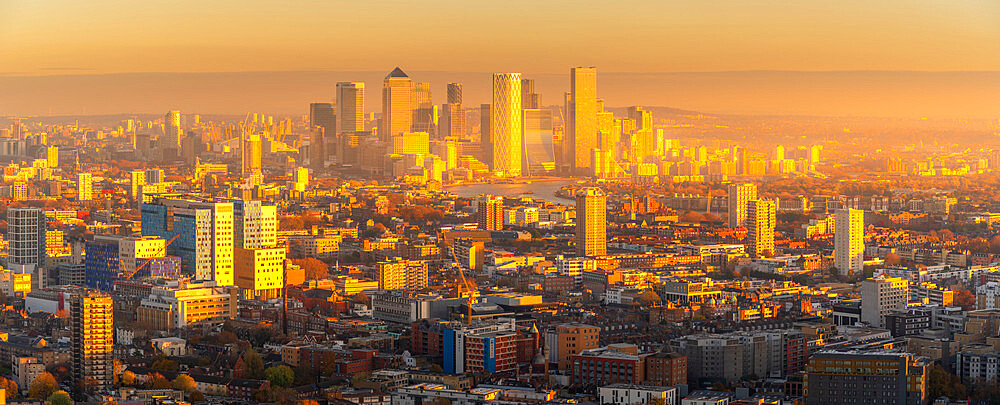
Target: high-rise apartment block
point(455, 93)
point(172, 131)
point(84, 187)
point(760, 227)
point(849, 241)
point(92, 339)
point(591, 222)
point(739, 196)
point(505, 124)
point(26, 236)
point(489, 212)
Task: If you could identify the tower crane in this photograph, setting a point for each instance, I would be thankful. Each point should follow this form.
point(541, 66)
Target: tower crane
point(129, 274)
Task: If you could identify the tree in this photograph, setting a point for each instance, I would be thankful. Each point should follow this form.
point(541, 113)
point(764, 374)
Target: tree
point(128, 378)
point(648, 298)
point(196, 396)
point(359, 377)
point(253, 365)
point(43, 386)
point(59, 398)
point(159, 382)
point(304, 375)
point(314, 268)
point(185, 383)
point(164, 364)
point(282, 376)
point(9, 387)
point(941, 383)
point(965, 299)
point(892, 259)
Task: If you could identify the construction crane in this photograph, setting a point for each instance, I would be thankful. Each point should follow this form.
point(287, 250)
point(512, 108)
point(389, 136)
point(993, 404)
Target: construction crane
point(132, 273)
point(473, 292)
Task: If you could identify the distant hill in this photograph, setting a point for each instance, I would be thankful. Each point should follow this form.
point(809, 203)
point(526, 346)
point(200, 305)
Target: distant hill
point(852, 93)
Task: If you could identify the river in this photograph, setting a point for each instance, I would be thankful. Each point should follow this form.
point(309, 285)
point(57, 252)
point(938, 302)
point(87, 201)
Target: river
point(542, 189)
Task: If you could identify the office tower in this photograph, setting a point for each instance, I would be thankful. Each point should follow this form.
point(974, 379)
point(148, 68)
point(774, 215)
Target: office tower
point(872, 377)
point(779, 153)
point(204, 229)
point(92, 339)
point(455, 93)
point(538, 148)
point(452, 121)
point(350, 107)
point(485, 135)
point(397, 105)
point(739, 196)
point(505, 124)
point(400, 274)
point(581, 118)
point(84, 187)
point(424, 117)
point(411, 143)
point(19, 191)
point(489, 212)
point(321, 115)
point(25, 236)
point(172, 131)
point(849, 241)
point(251, 151)
point(643, 118)
point(259, 272)
point(882, 296)
point(591, 222)
point(530, 99)
point(760, 227)
point(167, 307)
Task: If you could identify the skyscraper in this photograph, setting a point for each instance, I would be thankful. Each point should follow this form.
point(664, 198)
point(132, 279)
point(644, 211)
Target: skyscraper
point(739, 196)
point(137, 179)
point(529, 99)
point(424, 113)
point(455, 93)
point(172, 130)
point(92, 339)
point(204, 229)
point(591, 222)
point(760, 227)
point(84, 187)
point(505, 124)
point(849, 241)
point(350, 107)
point(485, 136)
point(452, 121)
point(255, 224)
point(252, 151)
point(581, 118)
point(323, 126)
point(489, 212)
point(397, 105)
point(538, 149)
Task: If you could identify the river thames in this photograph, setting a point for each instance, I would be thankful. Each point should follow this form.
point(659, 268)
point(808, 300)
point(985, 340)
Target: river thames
point(543, 189)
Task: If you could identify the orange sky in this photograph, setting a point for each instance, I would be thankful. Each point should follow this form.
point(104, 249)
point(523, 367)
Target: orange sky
point(44, 37)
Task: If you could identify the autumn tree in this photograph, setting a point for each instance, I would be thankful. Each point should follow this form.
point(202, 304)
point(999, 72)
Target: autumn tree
point(314, 268)
point(42, 386)
point(185, 383)
point(9, 387)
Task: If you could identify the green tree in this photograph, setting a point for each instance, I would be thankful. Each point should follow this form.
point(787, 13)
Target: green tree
point(42, 386)
point(185, 383)
point(59, 398)
point(304, 375)
point(282, 376)
point(253, 365)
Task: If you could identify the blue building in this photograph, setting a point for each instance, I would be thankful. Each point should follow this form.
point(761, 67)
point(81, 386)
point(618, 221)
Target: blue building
point(204, 231)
